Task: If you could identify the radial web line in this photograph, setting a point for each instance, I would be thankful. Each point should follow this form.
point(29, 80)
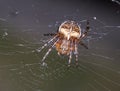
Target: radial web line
point(98, 74)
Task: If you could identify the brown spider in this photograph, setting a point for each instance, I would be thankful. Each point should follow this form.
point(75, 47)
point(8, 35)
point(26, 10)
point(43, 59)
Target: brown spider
point(66, 40)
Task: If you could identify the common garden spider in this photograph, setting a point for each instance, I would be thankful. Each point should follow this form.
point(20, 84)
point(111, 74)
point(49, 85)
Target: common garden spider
point(66, 40)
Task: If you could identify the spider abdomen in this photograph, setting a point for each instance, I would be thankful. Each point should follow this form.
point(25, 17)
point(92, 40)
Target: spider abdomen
point(64, 46)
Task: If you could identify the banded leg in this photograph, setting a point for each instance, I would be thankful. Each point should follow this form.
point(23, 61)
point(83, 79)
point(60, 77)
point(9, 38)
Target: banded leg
point(70, 57)
point(47, 53)
point(39, 50)
point(76, 54)
point(81, 43)
point(50, 34)
point(86, 31)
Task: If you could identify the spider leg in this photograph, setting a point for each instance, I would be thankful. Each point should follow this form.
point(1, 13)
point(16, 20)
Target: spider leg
point(81, 43)
point(50, 34)
point(70, 57)
point(39, 49)
point(47, 53)
point(87, 30)
point(70, 54)
point(76, 54)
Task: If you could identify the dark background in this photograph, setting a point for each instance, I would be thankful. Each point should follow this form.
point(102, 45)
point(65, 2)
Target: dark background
point(26, 21)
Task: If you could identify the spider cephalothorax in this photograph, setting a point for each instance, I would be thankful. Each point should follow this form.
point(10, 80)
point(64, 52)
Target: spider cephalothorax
point(67, 39)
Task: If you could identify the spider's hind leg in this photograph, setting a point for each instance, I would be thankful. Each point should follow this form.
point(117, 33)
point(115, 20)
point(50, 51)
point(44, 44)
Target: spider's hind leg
point(70, 57)
point(81, 43)
point(76, 54)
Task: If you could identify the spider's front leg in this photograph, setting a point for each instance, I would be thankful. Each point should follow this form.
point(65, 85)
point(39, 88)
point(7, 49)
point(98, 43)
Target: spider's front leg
point(86, 31)
point(47, 53)
point(50, 34)
point(46, 44)
point(84, 35)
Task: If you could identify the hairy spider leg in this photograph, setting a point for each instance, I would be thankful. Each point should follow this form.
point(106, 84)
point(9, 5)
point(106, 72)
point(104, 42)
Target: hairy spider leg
point(86, 32)
point(76, 54)
point(70, 57)
point(39, 50)
point(81, 43)
point(47, 53)
point(70, 54)
point(50, 34)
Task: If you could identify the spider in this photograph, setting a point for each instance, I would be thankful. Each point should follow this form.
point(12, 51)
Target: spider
point(66, 40)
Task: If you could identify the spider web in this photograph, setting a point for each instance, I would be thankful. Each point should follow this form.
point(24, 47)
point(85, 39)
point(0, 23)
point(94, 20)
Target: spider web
point(20, 62)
